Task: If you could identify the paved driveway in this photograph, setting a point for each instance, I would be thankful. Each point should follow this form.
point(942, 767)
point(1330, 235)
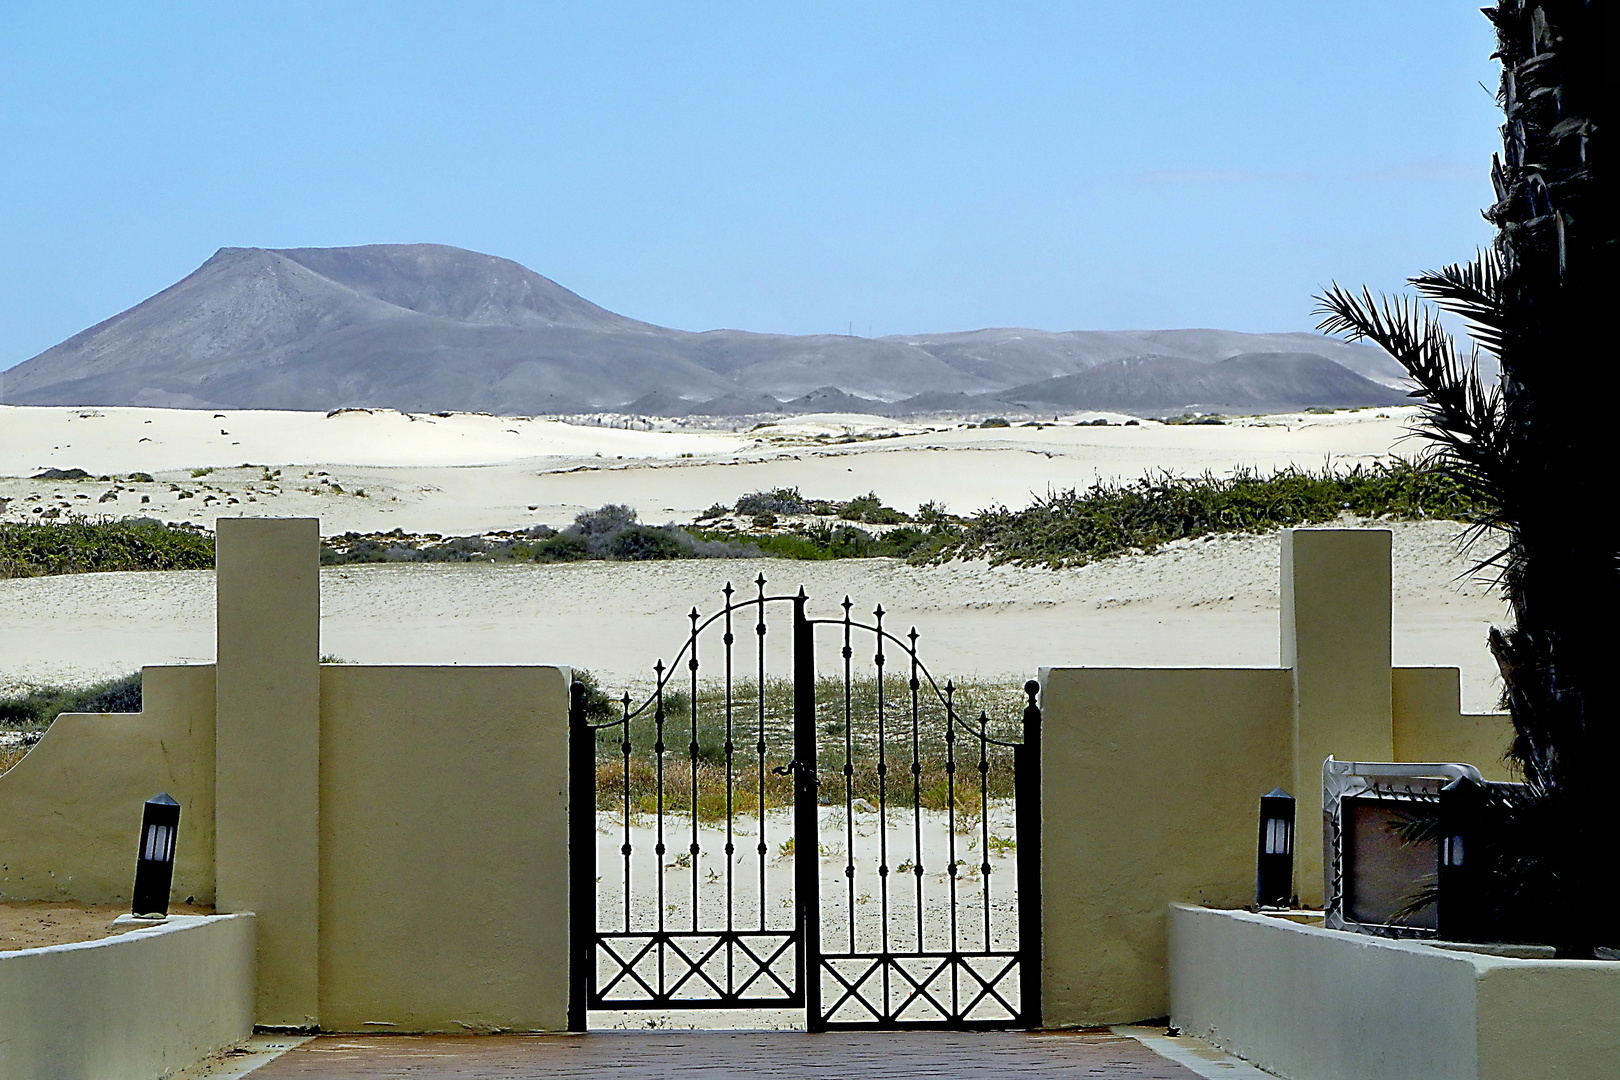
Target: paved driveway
point(727, 1055)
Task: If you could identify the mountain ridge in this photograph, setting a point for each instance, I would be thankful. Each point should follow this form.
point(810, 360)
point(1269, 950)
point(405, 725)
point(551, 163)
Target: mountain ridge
point(425, 327)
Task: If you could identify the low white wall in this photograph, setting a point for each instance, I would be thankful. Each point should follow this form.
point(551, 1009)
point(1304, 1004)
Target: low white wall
point(1314, 1004)
point(138, 1006)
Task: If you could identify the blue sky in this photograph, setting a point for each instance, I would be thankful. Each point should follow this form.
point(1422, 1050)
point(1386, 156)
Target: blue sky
point(795, 168)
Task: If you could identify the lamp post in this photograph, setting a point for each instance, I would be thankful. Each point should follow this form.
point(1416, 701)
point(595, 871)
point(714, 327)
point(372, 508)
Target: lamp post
point(1458, 907)
point(1274, 867)
point(154, 862)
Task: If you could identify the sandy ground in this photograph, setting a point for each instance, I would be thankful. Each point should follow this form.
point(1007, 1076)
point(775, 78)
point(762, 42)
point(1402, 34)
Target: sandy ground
point(470, 473)
point(31, 924)
point(1202, 603)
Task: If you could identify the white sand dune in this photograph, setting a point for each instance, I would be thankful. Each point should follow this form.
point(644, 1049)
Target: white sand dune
point(471, 473)
point(1202, 603)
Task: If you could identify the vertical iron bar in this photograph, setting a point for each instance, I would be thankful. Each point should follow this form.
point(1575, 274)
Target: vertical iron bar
point(984, 820)
point(759, 747)
point(916, 788)
point(950, 824)
point(581, 857)
point(1027, 811)
point(883, 825)
point(658, 849)
point(692, 752)
point(624, 748)
point(849, 780)
point(731, 848)
point(807, 851)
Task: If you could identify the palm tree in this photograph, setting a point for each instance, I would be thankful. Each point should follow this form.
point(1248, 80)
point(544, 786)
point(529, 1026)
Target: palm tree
point(1533, 443)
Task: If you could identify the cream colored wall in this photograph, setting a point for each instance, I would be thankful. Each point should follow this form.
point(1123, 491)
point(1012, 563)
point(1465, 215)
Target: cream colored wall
point(1313, 1004)
point(141, 1005)
point(444, 848)
point(1152, 780)
point(1548, 1018)
point(1335, 626)
point(267, 764)
point(1429, 724)
point(70, 810)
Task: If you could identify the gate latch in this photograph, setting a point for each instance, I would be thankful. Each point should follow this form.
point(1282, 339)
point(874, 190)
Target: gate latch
point(795, 766)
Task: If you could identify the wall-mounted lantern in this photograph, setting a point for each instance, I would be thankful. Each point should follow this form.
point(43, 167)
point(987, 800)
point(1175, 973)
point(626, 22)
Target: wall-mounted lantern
point(154, 863)
point(1458, 906)
point(1274, 873)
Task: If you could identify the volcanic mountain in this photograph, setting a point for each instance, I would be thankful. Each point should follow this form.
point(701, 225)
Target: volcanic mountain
point(428, 327)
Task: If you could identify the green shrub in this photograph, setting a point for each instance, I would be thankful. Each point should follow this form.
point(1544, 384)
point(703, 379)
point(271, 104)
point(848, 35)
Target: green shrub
point(38, 707)
point(1074, 527)
point(80, 545)
point(775, 501)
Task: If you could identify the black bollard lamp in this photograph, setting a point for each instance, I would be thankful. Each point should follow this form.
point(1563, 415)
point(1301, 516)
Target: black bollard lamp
point(1459, 903)
point(1274, 873)
point(154, 862)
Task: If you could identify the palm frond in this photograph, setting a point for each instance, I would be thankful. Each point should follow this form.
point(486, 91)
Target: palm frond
point(1473, 291)
point(1462, 414)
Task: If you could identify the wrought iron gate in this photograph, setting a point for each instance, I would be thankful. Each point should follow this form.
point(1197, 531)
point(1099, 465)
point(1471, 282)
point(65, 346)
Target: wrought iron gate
point(902, 941)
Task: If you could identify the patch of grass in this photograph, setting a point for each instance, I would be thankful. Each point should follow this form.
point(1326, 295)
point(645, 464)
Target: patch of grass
point(1075, 527)
point(81, 545)
point(35, 709)
point(695, 746)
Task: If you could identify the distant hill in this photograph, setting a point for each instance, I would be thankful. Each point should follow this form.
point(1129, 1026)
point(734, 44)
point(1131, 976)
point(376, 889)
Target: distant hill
point(426, 327)
point(1248, 382)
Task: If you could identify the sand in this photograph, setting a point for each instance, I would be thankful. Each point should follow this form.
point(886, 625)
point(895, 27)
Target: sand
point(32, 924)
point(1213, 602)
point(466, 472)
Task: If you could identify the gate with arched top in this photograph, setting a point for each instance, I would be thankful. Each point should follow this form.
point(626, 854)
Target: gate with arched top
point(846, 844)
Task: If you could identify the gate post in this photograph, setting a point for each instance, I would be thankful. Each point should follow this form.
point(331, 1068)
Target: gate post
point(581, 858)
point(806, 821)
point(1027, 815)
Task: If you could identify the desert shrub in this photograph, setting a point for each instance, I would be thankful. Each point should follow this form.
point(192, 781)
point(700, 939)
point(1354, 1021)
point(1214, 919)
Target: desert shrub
point(79, 545)
point(994, 422)
point(636, 542)
point(559, 547)
point(869, 509)
point(775, 501)
point(604, 521)
point(764, 519)
point(1074, 527)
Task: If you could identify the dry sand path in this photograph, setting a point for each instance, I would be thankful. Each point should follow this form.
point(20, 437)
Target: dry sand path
point(1212, 602)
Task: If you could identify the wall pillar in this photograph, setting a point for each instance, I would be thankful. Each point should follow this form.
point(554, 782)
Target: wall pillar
point(267, 751)
point(1336, 638)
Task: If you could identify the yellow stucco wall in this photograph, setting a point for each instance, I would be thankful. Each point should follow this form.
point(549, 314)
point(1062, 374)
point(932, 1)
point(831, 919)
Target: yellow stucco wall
point(1429, 724)
point(70, 810)
point(1335, 636)
point(1152, 780)
point(444, 848)
point(267, 764)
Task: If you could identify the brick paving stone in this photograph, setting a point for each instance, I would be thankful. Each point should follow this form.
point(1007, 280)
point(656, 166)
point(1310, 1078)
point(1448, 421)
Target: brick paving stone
point(727, 1056)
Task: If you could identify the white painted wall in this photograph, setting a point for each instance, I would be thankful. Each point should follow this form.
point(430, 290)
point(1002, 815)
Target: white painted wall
point(1314, 1004)
point(139, 1006)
